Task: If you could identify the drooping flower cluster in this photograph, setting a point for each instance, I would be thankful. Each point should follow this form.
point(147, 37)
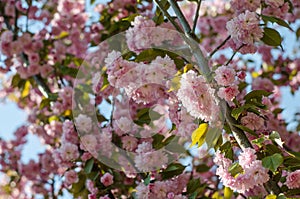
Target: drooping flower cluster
point(197, 96)
point(225, 76)
point(254, 174)
point(142, 82)
point(244, 29)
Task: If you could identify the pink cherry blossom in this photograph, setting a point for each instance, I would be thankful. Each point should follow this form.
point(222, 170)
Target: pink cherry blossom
point(107, 179)
point(252, 121)
point(71, 177)
point(225, 75)
point(83, 123)
point(228, 93)
point(198, 97)
point(244, 29)
point(293, 180)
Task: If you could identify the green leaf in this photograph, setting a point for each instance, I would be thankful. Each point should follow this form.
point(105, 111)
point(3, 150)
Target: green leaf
point(159, 16)
point(227, 149)
point(193, 185)
point(279, 21)
point(78, 189)
point(258, 141)
point(193, 195)
point(174, 147)
point(44, 103)
point(149, 55)
point(298, 33)
point(246, 129)
point(147, 180)
point(145, 116)
point(202, 168)
point(293, 192)
point(158, 141)
point(281, 196)
point(198, 136)
point(272, 149)
point(89, 166)
point(272, 162)
point(236, 112)
point(68, 71)
point(15, 80)
point(271, 37)
point(257, 94)
point(172, 170)
point(235, 169)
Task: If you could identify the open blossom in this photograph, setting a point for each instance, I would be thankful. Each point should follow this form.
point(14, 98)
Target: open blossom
point(129, 143)
point(252, 121)
point(262, 84)
point(242, 5)
point(293, 180)
point(274, 3)
point(247, 157)
point(107, 179)
point(228, 93)
point(69, 152)
point(225, 75)
point(71, 177)
point(83, 123)
point(198, 97)
point(147, 159)
point(145, 34)
point(244, 29)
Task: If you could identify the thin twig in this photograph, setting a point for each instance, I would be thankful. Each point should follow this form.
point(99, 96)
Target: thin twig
point(196, 15)
point(220, 46)
point(231, 58)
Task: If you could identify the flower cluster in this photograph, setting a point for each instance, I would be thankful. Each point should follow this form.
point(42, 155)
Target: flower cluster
point(144, 34)
point(254, 174)
point(198, 97)
point(244, 29)
point(225, 76)
point(170, 189)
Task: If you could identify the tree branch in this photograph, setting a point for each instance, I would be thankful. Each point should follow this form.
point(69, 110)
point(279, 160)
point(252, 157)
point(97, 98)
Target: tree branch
point(238, 134)
point(196, 15)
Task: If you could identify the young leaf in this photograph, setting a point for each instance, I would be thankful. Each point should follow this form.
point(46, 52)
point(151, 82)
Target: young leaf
point(198, 136)
point(272, 162)
point(227, 193)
